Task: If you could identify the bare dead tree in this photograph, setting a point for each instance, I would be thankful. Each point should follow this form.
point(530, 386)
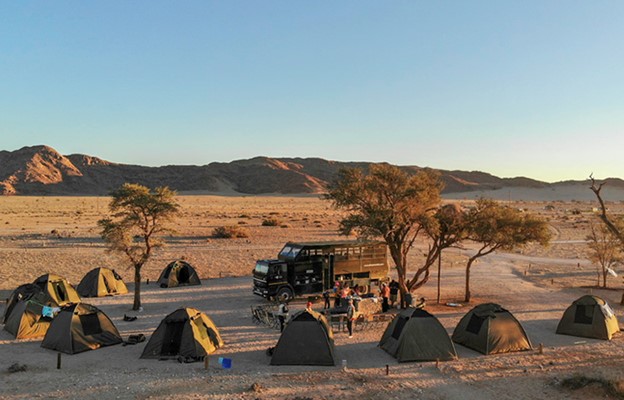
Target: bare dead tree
point(610, 224)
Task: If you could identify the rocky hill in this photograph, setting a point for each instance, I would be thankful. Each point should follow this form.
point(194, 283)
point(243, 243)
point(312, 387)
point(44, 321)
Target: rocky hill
point(41, 170)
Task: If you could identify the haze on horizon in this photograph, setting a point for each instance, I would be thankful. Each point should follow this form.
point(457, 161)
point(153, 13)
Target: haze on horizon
point(514, 89)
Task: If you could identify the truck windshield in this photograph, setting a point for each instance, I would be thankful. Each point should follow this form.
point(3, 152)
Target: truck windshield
point(262, 268)
point(290, 251)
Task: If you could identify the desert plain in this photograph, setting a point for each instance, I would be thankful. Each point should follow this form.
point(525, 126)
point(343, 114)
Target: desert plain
point(60, 235)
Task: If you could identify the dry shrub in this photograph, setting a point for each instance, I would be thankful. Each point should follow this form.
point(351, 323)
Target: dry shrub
point(229, 232)
point(285, 226)
point(270, 222)
point(576, 382)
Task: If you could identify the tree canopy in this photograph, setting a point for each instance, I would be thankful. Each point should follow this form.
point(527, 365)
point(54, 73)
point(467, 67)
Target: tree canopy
point(497, 227)
point(139, 217)
point(391, 204)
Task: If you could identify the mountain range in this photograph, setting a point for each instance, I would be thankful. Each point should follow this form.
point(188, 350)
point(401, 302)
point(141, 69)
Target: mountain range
point(41, 170)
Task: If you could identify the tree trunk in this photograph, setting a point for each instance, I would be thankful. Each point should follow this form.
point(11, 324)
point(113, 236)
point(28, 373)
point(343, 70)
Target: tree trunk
point(467, 294)
point(604, 278)
point(622, 301)
point(403, 289)
point(439, 273)
point(137, 288)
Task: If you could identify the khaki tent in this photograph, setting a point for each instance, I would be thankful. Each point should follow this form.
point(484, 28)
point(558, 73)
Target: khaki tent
point(490, 329)
point(26, 320)
point(80, 327)
point(58, 288)
point(100, 282)
point(416, 335)
point(185, 332)
point(306, 340)
point(178, 273)
point(589, 316)
point(22, 293)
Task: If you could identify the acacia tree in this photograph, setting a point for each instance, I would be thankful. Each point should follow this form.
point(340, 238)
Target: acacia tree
point(389, 203)
point(450, 228)
point(493, 227)
point(604, 249)
point(616, 227)
point(139, 217)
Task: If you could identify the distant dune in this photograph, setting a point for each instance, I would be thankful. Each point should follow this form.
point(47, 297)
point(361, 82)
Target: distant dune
point(41, 170)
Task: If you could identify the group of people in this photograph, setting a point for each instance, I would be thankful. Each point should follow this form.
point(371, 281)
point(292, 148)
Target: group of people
point(345, 295)
point(389, 295)
point(341, 294)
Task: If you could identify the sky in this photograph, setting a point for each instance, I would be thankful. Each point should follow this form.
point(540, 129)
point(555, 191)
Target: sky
point(513, 88)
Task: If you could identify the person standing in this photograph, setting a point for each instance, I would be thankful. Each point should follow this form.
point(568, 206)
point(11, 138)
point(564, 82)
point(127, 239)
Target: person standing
point(394, 291)
point(337, 294)
point(385, 294)
point(350, 317)
point(282, 315)
point(344, 294)
point(326, 295)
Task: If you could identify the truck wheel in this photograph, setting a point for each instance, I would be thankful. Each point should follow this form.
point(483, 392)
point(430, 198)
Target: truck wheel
point(284, 294)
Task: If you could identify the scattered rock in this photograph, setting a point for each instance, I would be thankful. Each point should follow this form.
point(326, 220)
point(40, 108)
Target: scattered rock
point(17, 367)
point(256, 387)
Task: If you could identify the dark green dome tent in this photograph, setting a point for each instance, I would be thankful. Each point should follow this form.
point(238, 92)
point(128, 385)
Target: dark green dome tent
point(416, 335)
point(80, 327)
point(26, 320)
point(178, 273)
point(100, 282)
point(58, 288)
point(490, 329)
point(307, 339)
point(590, 317)
point(186, 332)
point(22, 293)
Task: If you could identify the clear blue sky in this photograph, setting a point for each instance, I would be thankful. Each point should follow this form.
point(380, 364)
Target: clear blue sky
point(514, 88)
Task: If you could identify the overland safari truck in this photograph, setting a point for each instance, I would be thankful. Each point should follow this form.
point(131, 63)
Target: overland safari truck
point(312, 267)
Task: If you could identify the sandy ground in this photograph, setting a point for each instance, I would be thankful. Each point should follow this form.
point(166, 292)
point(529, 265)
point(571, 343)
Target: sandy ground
point(535, 284)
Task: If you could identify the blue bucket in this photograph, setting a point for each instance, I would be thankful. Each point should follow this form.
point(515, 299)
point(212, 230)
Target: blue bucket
point(226, 363)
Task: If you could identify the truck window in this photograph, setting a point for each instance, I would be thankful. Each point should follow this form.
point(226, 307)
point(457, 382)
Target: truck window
point(285, 251)
point(290, 252)
point(262, 268)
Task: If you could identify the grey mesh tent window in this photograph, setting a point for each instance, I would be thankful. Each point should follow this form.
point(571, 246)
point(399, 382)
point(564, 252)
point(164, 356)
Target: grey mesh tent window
point(90, 324)
point(584, 314)
point(398, 328)
point(173, 338)
point(184, 275)
point(475, 323)
point(60, 291)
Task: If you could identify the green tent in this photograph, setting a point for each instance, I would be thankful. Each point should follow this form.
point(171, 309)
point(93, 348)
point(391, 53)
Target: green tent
point(589, 316)
point(178, 273)
point(307, 339)
point(26, 320)
point(186, 332)
point(80, 327)
point(22, 293)
point(490, 329)
point(58, 288)
point(100, 282)
point(416, 335)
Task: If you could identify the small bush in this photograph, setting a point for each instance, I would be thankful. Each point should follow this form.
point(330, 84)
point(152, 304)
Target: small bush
point(229, 232)
point(270, 222)
point(615, 388)
point(285, 226)
point(242, 222)
point(244, 216)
